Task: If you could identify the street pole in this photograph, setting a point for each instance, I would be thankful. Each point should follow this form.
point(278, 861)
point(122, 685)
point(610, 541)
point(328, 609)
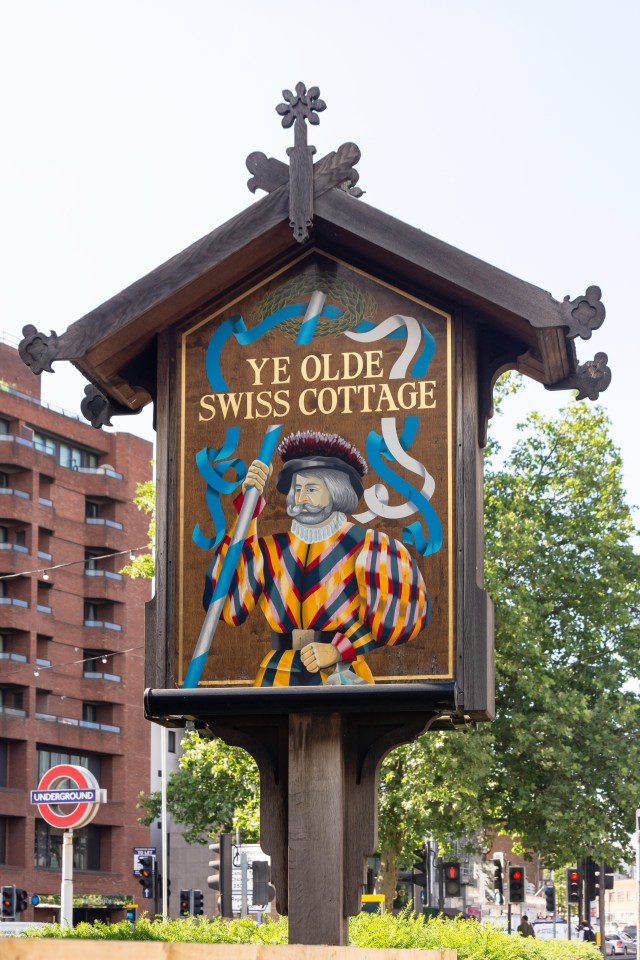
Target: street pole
point(66, 888)
point(602, 908)
point(164, 850)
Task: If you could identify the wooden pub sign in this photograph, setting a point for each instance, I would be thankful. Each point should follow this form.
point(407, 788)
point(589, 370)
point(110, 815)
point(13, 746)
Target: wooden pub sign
point(322, 377)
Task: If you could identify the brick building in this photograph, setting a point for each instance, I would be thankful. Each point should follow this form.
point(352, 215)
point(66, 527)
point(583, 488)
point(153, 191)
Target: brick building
point(71, 638)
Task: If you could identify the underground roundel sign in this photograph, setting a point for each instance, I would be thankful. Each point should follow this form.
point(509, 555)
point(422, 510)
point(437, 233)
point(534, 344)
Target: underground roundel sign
point(68, 796)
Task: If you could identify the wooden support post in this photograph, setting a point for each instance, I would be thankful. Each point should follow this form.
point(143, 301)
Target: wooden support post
point(318, 806)
point(317, 830)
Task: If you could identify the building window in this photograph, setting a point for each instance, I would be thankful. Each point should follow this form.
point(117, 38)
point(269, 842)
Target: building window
point(86, 847)
point(4, 479)
point(91, 510)
point(4, 827)
point(4, 764)
point(74, 458)
point(4, 427)
point(90, 712)
point(90, 611)
point(171, 741)
point(48, 758)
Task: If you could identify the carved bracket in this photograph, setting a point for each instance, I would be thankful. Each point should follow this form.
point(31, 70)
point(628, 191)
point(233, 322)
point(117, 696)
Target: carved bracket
point(590, 379)
point(98, 409)
point(38, 350)
point(584, 314)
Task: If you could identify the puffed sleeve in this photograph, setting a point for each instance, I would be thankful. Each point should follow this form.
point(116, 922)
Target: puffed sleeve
point(394, 602)
point(247, 582)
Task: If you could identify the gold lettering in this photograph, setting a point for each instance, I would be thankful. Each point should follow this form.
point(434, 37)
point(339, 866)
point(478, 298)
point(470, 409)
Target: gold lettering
point(304, 367)
point(280, 365)
point(366, 388)
point(263, 399)
point(346, 394)
point(230, 401)
point(207, 403)
point(326, 368)
point(347, 372)
point(249, 414)
point(281, 397)
point(410, 387)
point(385, 397)
point(329, 406)
point(424, 393)
point(374, 358)
point(257, 369)
point(302, 402)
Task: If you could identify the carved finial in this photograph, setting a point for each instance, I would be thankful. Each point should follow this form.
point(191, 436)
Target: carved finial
point(37, 349)
point(301, 106)
point(584, 314)
point(590, 379)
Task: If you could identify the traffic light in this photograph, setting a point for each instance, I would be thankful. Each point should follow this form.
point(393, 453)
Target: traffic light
point(221, 878)
point(198, 903)
point(516, 884)
point(608, 876)
point(8, 903)
point(147, 869)
point(263, 891)
point(185, 903)
point(498, 881)
point(420, 867)
point(590, 879)
point(550, 898)
point(21, 900)
point(451, 874)
point(573, 885)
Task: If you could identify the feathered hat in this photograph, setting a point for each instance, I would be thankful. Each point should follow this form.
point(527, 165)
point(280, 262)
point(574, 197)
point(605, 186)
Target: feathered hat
point(308, 449)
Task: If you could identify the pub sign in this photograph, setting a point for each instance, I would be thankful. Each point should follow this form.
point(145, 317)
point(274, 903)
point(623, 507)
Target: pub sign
point(316, 430)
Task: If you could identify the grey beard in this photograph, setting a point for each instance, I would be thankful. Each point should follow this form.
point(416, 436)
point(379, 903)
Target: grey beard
point(310, 515)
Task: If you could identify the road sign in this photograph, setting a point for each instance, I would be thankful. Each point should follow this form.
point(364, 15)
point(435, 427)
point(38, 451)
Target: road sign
point(253, 852)
point(68, 785)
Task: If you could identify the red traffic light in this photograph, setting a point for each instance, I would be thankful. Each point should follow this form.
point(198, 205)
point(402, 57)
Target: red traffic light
point(574, 876)
point(452, 872)
point(516, 875)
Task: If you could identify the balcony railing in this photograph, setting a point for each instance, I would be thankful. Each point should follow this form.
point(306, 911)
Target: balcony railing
point(94, 675)
point(14, 546)
point(72, 722)
point(17, 657)
point(11, 491)
point(13, 602)
point(103, 573)
point(12, 712)
point(102, 623)
point(103, 521)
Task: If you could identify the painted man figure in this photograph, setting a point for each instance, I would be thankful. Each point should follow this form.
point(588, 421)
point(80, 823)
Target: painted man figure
point(330, 591)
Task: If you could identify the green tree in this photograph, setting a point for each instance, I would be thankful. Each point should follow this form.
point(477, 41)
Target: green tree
point(216, 788)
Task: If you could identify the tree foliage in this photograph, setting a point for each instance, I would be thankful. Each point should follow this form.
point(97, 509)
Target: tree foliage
point(216, 788)
point(559, 768)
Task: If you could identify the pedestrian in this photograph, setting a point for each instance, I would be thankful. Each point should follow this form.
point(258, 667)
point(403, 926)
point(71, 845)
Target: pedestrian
point(587, 933)
point(524, 927)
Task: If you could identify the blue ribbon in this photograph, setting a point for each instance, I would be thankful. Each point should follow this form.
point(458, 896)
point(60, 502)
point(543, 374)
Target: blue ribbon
point(213, 464)
point(413, 533)
point(235, 326)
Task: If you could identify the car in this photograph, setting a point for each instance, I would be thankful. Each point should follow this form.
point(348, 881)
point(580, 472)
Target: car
point(616, 943)
point(631, 931)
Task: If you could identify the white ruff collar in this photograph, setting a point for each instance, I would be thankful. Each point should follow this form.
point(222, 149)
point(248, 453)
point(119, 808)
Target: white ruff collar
point(309, 533)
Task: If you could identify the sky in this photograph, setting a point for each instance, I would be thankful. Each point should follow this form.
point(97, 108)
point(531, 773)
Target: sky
point(508, 129)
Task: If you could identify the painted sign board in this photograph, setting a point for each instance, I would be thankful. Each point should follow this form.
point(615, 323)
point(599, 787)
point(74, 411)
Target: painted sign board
point(341, 386)
point(68, 786)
